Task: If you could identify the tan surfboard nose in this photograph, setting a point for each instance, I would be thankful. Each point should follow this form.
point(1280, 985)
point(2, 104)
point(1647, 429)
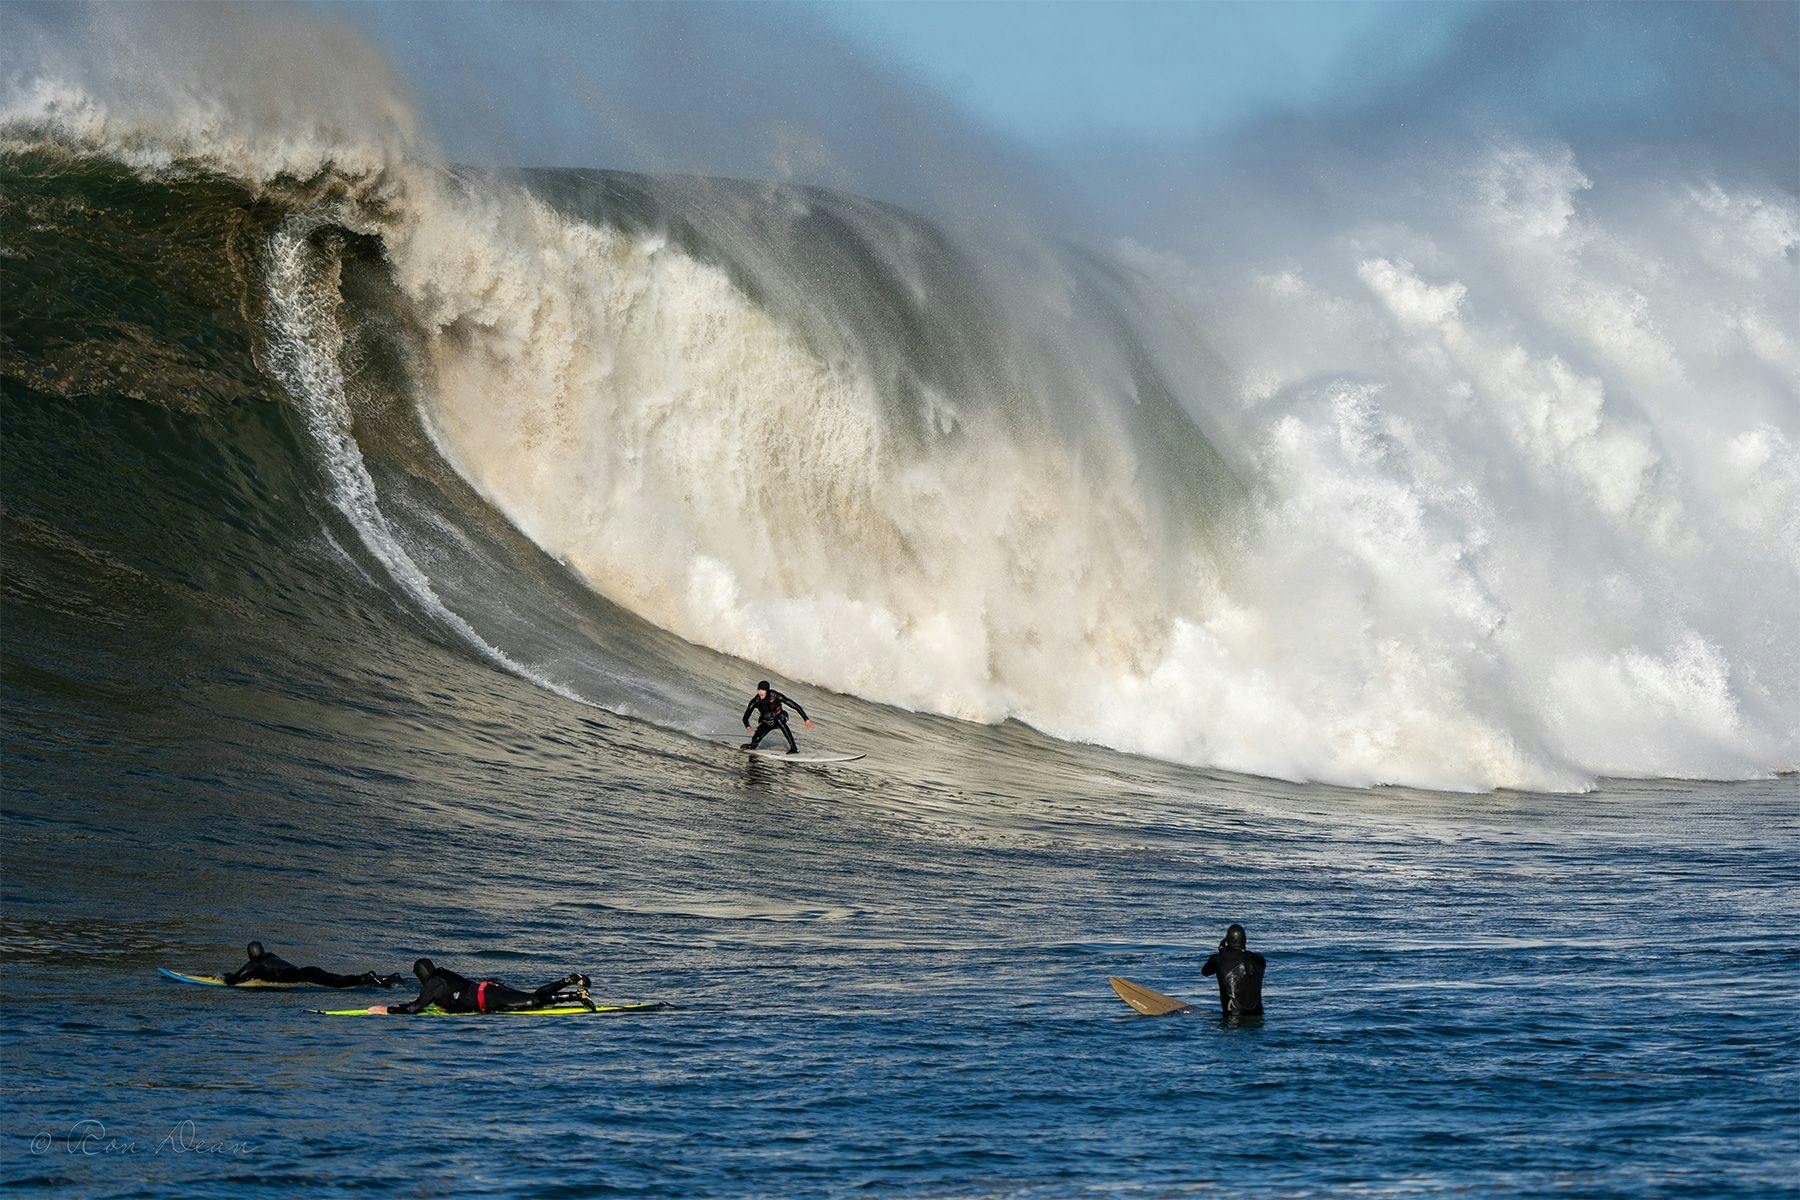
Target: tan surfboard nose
point(1146, 1001)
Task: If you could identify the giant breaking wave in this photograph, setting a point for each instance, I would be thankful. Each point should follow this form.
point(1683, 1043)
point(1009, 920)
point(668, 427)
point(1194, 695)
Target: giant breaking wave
point(1496, 487)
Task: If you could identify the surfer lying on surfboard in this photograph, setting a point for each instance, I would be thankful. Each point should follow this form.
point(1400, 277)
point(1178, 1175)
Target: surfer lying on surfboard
point(768, 704)
point(264, 967)
point(444, 989)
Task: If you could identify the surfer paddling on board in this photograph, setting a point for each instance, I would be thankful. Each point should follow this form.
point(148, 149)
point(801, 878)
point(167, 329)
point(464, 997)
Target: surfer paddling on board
point(264, 967)
point(769, 706)
point(1240, 973)
point(454, 993)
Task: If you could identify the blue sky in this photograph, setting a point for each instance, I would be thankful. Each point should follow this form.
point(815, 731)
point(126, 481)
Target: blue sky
point(1050, 76)
point(927, 103)
point(1083, 71)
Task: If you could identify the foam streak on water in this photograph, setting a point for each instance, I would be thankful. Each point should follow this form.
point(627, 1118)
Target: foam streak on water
point(305, 344)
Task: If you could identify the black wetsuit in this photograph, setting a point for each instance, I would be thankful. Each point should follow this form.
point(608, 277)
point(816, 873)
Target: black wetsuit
point(1240, 975)
point(769, 715)
point(271, 968)
point(455, 993)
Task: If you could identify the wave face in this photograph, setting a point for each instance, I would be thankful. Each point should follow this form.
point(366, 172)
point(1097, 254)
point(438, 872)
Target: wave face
point(1498, 491)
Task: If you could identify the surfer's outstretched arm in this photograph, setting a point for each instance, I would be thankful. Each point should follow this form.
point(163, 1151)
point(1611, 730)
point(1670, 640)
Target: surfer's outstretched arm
point(748, 709)
point(797, 708)
point(433, 991)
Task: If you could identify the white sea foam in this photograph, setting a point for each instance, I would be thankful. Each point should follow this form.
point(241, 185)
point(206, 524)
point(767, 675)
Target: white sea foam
point(1552, 471)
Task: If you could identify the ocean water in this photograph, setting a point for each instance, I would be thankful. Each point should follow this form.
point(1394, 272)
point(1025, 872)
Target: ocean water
point(890, 978)
point(391, 546)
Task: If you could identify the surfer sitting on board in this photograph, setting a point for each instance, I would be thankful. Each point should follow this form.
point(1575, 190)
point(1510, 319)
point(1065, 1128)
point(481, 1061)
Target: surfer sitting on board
point(1240, 973)
point(454, 993)
point(767, 705)
point(264, 967)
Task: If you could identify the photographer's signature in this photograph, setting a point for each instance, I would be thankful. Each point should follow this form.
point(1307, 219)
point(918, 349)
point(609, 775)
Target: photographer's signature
point(89, 1138)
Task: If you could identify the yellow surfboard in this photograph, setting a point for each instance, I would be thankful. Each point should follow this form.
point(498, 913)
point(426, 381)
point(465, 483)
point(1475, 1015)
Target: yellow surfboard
point(1151, 1004)
point(557, 1011)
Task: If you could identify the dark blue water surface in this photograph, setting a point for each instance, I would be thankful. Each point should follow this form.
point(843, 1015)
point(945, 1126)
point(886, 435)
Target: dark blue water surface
point(891, 976)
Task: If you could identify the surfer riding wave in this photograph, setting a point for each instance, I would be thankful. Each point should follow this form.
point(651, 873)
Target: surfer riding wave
point(769, 707)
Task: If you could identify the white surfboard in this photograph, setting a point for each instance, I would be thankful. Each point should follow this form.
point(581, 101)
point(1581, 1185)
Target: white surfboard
point(802, 757)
